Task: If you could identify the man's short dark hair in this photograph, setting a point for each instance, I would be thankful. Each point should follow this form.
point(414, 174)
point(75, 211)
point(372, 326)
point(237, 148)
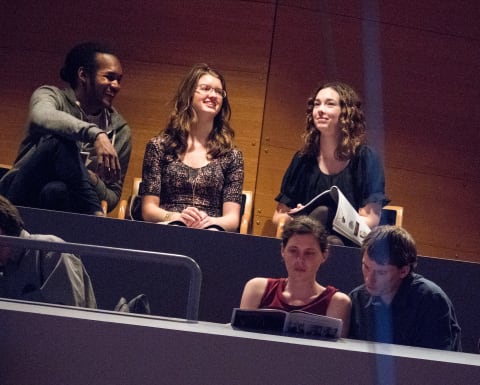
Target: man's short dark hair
point(305, 225)
point(10, 221)
point(82, 55)
point(390, 245)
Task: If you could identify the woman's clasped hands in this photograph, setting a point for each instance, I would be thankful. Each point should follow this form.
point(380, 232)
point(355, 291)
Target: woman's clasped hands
point(195, 218)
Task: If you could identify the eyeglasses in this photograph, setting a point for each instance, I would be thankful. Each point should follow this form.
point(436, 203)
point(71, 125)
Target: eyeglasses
point(205, 90)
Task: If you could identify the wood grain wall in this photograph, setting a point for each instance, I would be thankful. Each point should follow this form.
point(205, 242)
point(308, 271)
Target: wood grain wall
point(415, 63)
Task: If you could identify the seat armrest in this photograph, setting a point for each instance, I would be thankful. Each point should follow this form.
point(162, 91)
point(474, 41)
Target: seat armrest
point(104, 205)
point(122, 208)
point(280, 226)
point(246, 218)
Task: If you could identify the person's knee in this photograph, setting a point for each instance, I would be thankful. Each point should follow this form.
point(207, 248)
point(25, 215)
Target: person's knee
point(55, 196)
point(58, 154)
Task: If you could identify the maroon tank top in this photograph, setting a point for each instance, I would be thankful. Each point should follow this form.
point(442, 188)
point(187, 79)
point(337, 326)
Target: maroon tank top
point(273, 293)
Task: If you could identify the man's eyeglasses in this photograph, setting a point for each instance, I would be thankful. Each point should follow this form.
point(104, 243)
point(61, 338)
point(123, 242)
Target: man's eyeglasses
point(205, 90)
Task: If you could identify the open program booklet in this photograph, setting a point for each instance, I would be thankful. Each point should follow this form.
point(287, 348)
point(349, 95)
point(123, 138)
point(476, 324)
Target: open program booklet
point(297, 323)
point(347, 221)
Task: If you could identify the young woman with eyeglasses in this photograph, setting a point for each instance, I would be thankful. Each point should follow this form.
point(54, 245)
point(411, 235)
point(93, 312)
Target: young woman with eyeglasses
point(192, 171)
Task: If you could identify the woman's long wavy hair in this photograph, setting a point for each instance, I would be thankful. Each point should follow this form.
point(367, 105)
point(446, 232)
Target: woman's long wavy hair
point(351, 121)
point(184, 116)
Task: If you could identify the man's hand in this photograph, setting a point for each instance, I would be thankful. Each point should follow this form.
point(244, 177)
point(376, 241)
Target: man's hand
point(108, 165)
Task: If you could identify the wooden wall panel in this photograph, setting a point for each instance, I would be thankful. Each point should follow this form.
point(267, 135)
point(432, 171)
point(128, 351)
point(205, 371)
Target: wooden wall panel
point(438, 229)
point(449, 18)
point(181, 32)
point(415, 63)
point(426, 126)
point(431, 145)
point(21, 72)
point(157, 43)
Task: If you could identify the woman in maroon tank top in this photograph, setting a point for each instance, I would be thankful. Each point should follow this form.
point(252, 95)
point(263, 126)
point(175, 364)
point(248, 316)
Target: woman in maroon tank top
point(303, 249)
